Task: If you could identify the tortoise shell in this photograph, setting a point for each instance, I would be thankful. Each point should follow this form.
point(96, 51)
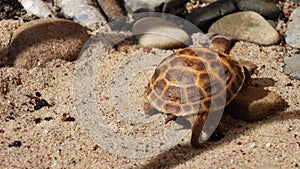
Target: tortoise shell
point(188, 81)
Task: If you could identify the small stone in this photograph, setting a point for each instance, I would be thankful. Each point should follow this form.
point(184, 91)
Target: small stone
point(292, 31)
point(204, 17)
point(160, 33)
point(253, 104)
point(247, 26)
point(264, 8)
point(39, 41)
point(133, 6)
point(292, 66)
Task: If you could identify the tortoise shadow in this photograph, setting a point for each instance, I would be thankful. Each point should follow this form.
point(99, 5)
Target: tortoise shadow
point(182, 153)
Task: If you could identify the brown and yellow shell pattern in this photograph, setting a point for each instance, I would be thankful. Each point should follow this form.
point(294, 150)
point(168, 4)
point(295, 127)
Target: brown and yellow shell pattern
point(186, 83)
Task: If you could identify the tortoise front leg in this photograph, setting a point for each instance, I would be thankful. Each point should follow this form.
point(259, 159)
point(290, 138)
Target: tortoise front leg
point(197, 128)
point(170, 117)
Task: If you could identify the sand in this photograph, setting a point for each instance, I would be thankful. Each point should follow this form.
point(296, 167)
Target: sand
point(58, 136)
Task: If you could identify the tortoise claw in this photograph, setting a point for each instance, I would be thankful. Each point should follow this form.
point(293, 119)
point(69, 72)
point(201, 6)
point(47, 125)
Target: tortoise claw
point(170, 117)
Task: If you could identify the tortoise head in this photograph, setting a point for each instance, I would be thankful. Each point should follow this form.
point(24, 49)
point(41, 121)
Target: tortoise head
point(249, 69)
point(222, 44)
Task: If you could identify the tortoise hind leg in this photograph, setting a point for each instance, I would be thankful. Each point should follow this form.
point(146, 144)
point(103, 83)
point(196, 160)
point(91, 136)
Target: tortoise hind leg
point(197, 129)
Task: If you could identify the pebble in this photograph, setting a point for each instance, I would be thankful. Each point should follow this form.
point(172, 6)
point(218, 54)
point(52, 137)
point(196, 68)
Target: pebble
point(160, 33)
point(204, 17)
point(253, 104)
point(39, 41)
point(293, 27)
point(112, 8)
point(247, 26)
point(37, 7)
point(264, 8)
point(132, 6)
point(82, 11)
point(292, 66)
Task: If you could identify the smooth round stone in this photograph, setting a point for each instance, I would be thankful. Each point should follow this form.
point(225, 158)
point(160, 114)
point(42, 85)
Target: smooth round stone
point(39, 41)
point(264, 8)
point(254, 104)
point(247, 26)
point(292, 66)
point(160, 33)
point(292, 31)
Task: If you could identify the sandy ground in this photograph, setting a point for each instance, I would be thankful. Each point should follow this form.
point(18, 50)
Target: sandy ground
point(56, 136)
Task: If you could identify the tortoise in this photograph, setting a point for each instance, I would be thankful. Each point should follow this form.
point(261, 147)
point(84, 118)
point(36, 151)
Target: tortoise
point(186, 83)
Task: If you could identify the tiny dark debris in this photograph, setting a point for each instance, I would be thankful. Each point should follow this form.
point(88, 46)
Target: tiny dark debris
point(11, 116)
point(1, 131)
point(37, 120)
point(48, 118)
point(95, 147)
point(40, 103)
point(70, 119)
point(38, 94)
point(15, 144)
point(67, 118)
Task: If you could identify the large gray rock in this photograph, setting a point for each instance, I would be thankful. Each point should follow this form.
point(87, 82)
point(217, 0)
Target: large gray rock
point(293, 27)
point(292, 66)
point(204, 17)
point(247, 26)
point(266, 9)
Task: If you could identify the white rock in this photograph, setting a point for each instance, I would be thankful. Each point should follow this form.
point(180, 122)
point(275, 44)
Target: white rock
point(160, 33)
point(36, 7)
